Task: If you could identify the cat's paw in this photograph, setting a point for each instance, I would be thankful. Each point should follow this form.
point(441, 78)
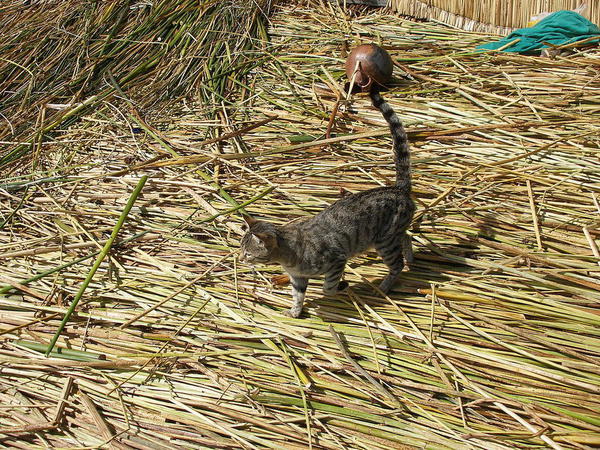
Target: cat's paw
point(293, 313)
point(343, 286)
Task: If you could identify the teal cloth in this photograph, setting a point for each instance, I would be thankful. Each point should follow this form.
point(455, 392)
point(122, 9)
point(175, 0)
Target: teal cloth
point(559, 28)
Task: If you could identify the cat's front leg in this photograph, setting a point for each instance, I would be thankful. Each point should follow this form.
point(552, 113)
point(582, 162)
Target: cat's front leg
point(299, 285)
point(332, 284)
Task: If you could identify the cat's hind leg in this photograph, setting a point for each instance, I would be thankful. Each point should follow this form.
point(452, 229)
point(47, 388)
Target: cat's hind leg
point(394, 254)
point(407, 250)
point(299, 285)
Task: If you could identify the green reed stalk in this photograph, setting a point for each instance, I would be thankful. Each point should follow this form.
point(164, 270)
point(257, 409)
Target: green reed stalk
point(99, 260)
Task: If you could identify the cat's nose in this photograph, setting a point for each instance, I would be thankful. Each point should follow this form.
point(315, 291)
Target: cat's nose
point(242, 257)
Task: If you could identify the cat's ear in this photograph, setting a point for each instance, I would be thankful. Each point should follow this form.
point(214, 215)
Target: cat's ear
point(268, 239)
point(249, 221)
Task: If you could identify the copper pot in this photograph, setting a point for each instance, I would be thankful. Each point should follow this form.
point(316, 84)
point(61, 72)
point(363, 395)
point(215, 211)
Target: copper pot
point(368, 64)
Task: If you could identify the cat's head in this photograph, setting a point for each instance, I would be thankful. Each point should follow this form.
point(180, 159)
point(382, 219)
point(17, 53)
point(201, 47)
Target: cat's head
point(259, 244)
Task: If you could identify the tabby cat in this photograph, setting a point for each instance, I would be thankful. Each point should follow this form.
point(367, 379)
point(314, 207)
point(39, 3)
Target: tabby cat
point(322, 244)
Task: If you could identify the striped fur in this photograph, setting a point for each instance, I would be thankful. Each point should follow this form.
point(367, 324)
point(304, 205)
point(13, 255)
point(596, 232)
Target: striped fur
point(401, 149)
point(321, 245)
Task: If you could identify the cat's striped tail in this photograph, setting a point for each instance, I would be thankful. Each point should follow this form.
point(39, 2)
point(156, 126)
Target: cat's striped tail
point(401, 149)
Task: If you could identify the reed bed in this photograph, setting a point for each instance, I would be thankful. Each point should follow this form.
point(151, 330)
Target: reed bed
point(61, 60)
point(490, 341)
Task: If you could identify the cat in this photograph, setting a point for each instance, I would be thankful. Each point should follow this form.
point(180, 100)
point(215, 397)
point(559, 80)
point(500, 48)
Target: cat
point(322, 244)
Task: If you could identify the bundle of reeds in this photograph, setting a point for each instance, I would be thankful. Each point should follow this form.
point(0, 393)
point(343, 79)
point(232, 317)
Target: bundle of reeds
point(494, 16)
point(490, 342)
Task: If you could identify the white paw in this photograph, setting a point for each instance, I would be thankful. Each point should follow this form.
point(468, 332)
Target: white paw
point(293, 313)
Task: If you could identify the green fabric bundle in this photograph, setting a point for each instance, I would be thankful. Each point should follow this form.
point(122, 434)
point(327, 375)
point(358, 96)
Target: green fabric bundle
point(559, 28)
